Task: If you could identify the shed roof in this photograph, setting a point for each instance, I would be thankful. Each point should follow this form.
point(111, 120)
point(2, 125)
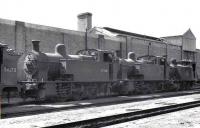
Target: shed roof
point(188, 34)
point(131, 34)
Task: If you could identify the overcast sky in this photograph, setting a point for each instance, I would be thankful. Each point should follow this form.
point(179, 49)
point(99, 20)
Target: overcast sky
point(151, 17)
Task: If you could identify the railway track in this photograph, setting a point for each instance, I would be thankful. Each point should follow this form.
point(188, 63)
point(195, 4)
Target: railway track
point(130, 116)
point(12, 113)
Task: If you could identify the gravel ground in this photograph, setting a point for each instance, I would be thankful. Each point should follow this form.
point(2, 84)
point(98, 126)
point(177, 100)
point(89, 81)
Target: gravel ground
point(48, 119)
point(189, 118)
point(32, 107)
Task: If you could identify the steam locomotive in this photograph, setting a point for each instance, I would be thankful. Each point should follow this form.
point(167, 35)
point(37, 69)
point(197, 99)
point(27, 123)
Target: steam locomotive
point(91, 73)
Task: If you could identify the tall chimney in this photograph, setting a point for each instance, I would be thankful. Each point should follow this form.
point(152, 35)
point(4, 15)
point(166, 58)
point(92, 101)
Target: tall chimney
point(36, 46)
point(84, 21)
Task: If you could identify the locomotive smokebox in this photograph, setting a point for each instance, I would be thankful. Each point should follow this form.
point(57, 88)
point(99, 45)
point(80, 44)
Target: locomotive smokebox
point(36, 46)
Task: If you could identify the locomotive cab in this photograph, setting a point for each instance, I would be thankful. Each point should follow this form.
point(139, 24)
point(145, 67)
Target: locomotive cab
point(188, 69)
point(100, 65)
point(150, 59)
point(98, 55)
point(150, 65)
point(8, 72)
point(182, 74)
point(189, 63)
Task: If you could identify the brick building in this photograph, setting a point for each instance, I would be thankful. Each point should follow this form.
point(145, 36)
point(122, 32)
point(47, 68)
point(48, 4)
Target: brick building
point(18, 36)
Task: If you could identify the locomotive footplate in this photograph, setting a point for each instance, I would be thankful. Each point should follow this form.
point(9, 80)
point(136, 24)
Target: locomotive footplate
point(89, 90)
point(77, 90)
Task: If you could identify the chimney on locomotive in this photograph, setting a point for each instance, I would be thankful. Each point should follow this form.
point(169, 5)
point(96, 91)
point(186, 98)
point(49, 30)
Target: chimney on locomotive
point(36, 46)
